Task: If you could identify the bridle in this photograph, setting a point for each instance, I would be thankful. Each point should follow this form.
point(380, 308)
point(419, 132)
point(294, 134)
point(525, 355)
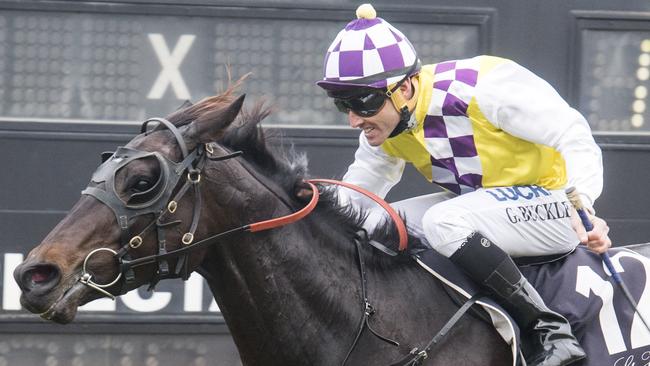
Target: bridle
point(156, 201)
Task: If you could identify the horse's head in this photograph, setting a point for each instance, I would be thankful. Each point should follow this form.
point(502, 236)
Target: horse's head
point(140, 202)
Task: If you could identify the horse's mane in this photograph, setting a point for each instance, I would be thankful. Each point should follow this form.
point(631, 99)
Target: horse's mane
point(286, 167)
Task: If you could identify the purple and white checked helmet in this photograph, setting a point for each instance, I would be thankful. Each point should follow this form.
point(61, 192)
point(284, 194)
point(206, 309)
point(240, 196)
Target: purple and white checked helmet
point(368, 52)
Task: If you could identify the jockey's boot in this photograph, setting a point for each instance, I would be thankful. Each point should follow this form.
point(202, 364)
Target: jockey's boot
point(546, 335)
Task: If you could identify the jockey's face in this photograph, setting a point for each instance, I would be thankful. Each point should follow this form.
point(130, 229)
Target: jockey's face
point(378, 127)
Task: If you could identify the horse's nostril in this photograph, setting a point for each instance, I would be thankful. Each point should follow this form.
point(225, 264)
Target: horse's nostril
point(38, 277)
point(41, 274)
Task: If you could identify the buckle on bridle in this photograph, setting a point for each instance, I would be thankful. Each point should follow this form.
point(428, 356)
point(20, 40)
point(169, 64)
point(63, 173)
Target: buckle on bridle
point(135, 242)
point(423, 354)
point(188, 238)
point(194, 176)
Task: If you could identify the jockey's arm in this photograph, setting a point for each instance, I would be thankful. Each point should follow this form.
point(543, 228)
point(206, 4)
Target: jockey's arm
point(522, 104)
point(373, 170)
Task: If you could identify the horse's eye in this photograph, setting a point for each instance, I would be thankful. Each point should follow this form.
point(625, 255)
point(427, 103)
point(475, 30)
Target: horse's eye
point(142, 185)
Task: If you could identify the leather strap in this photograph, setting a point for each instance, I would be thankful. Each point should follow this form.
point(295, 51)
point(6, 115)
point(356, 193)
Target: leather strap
point(399, 223)
point(415, 357)
point(170, 126)
point(285, 220)
point(368, 310)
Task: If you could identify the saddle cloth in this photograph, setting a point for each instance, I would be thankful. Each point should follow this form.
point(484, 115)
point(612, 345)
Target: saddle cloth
point(579, 287)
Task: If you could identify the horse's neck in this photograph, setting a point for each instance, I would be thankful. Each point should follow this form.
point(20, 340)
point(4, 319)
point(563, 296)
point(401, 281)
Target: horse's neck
point(293, 295)
point(284, 292)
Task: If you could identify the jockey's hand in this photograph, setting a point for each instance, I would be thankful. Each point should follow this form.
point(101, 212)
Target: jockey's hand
point(597, 239)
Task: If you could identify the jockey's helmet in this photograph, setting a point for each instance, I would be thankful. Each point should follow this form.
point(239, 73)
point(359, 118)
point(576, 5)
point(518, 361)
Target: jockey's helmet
point(368, 52)
point(368, 56)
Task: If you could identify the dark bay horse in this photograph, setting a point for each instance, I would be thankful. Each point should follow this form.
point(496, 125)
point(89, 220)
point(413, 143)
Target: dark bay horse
point(290, 295)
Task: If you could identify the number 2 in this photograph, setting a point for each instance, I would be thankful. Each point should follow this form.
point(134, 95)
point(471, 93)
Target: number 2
point(588, 282)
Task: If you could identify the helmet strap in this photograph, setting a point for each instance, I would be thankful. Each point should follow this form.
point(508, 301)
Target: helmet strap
point(404, 107)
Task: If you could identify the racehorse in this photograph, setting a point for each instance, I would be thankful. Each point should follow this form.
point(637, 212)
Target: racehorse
point(290, 295)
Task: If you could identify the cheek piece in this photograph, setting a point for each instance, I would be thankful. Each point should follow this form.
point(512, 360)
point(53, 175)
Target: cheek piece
point(404, 107)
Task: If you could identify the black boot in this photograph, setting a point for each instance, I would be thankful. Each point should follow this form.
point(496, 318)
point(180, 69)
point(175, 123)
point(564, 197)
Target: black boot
point(546, 335)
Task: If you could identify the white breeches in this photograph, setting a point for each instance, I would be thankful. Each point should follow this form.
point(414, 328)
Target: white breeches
point(523, 220)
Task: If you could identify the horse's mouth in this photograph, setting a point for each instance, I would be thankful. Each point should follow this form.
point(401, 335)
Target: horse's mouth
point(60, 304)
point(64, 309)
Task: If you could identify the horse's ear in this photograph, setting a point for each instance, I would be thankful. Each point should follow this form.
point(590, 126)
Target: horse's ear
point(186, 104)
point(211, 125)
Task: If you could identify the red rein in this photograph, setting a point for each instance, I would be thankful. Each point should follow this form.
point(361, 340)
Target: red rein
point(284, 220)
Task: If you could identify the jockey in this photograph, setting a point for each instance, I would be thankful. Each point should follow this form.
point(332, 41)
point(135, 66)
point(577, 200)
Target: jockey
point(502, 143)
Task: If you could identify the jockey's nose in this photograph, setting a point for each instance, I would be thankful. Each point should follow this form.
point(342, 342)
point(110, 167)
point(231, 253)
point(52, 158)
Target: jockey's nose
point(354, 119)
point(37, 278)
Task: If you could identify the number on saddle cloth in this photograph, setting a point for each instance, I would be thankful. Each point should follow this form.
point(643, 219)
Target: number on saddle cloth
point(580, 288)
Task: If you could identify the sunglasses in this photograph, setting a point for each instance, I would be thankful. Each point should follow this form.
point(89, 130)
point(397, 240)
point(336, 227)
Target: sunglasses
point(365, 105)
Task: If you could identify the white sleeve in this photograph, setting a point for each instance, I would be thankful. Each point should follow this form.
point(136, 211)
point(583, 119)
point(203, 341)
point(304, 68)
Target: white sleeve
point(522, 104)
point(373, 170)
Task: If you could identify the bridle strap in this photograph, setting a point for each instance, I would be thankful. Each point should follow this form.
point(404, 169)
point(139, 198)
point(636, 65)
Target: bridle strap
point(171, 127)
point(255, 227)
point(279, 222)
point(127, 264)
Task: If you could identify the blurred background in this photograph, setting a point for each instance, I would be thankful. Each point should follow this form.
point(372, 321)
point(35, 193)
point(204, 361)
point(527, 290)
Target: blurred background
point(77, 78)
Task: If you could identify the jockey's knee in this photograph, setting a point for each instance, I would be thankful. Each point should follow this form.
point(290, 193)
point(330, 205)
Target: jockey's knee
point(446, 228)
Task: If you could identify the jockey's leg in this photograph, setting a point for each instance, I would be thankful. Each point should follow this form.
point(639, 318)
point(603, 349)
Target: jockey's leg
point(547, 337)
point(412, 209)
point(456, 229)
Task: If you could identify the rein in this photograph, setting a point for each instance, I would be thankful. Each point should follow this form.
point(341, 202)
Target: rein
point(254, 227)
point(272, 224)
point(399, 223)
